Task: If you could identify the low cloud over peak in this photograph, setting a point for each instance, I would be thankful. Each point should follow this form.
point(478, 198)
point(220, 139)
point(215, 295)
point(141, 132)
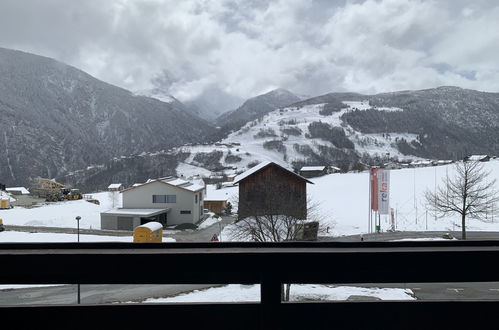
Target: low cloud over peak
point(246, 48)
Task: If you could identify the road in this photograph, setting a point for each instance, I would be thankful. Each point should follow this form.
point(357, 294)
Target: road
point(98, 294)
point(391, 236)
point(447, 291)
point(92, 294)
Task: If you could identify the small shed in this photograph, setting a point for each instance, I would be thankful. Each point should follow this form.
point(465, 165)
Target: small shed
point(116, 187)
point(215, 205)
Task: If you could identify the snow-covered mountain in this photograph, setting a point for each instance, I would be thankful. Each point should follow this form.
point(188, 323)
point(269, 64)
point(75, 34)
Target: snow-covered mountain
point(344, 129)
point(295, 136)
point(254, 108)
point(56, 118)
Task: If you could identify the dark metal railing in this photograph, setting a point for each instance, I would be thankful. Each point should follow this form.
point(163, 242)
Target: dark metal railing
point(269, 265)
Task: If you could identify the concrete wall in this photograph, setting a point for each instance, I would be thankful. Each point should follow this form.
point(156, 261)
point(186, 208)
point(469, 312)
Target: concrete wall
point(113, 222)
point(141, 198)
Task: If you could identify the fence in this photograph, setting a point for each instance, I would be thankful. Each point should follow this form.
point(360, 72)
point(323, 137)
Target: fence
point(254, 263)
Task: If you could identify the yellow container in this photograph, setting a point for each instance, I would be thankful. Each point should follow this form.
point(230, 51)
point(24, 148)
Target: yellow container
point(149, 232)
point(4, 204)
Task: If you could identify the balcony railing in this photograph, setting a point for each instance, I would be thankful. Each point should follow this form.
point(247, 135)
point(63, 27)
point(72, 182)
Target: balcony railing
point(254, 263)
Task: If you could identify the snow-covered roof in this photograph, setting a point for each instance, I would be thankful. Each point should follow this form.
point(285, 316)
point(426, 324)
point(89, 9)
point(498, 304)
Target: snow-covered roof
point(477, 157)
point(114, 185)
point(260, 166)
point(177, 182)
point(23, 190)
point(141, 212)
point(137, 184)
point(313, 168)
point(216, 199)
point(153, 225)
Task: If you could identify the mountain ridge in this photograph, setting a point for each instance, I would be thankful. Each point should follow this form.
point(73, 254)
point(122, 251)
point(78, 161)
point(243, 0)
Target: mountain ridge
point(57, 118)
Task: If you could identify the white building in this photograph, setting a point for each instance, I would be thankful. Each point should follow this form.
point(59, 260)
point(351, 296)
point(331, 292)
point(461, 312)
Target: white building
point(169, 201)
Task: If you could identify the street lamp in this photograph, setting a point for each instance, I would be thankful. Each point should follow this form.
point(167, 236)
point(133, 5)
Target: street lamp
point(78, 218)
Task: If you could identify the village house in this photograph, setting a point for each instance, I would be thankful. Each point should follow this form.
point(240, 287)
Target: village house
point(270, 189)
point(216, 205)
point(116, 187)
point(169, 201)
point(477, 158)
point(315, 171)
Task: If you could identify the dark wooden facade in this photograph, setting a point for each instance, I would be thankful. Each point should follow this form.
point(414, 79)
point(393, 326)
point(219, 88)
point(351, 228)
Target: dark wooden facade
point(273, 190)
point(217, 206)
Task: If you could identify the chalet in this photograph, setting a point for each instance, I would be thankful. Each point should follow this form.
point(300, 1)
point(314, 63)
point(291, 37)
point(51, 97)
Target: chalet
point(169, 201)
point(216, 205)
point(231, 177)
point(477, 158)
point(270, 189)
point(116, 187)
point(315, 171)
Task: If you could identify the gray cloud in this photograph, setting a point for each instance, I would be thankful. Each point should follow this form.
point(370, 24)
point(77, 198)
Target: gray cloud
point(249, 47)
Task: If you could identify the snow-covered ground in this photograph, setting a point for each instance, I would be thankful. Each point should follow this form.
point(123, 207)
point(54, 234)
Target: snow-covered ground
point(63, 214)
point(211, 220)
point(343, 201)
point(16, 236)
point(298, 292)
point(343, 204)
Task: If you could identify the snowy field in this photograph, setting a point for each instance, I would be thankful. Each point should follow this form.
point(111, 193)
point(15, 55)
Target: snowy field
point(298, 292)
point(63, 214)
point(343, 201)
point(343, 204)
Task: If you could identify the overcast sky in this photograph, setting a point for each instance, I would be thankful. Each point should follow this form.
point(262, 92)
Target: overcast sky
point(249, 47)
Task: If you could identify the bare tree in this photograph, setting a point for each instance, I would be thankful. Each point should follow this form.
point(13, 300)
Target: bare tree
point(470, 193)
point(275, 228)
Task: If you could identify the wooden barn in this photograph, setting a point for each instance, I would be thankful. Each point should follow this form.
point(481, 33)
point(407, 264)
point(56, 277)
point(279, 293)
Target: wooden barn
point(270, 189)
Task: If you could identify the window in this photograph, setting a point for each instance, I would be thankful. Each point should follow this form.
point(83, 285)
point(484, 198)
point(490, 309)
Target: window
point(185, 212)
point(196, 199)
point(164, 198)
point(159, 198)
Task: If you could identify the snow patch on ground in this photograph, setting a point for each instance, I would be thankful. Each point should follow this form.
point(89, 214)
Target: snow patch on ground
point(211, 220)
point(63, 214)
point(298, 292)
